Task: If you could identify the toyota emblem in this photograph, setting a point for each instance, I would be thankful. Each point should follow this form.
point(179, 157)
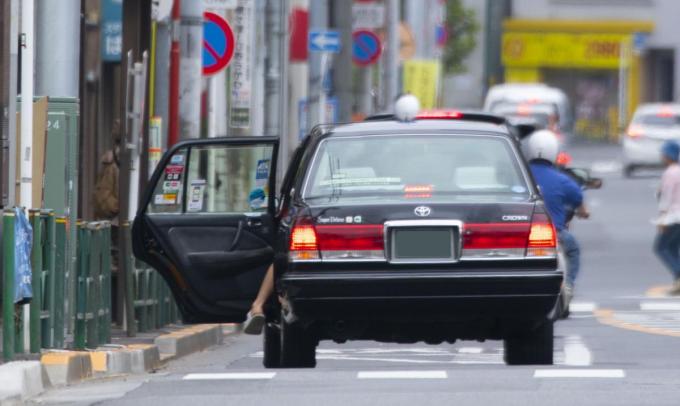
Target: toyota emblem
point(422, 211)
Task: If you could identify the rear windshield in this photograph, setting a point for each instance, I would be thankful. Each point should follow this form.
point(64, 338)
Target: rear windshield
point(416, 166)
point(659, 120)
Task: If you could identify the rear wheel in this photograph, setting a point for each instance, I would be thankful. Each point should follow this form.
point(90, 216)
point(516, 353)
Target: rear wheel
point(298, 345)
point(531, 347)
point(271, 346)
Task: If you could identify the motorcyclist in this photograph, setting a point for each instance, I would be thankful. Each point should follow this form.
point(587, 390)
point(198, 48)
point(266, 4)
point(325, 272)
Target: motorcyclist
point(561, 194)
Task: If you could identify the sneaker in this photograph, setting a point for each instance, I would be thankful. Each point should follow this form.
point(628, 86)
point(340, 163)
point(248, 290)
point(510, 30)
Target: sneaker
point(254, 323)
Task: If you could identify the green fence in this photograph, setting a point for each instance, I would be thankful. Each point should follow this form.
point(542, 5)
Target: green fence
point(147, 294)
point(53, 322)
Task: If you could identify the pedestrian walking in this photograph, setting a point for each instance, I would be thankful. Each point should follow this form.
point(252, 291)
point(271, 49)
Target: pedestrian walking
point(667, 244)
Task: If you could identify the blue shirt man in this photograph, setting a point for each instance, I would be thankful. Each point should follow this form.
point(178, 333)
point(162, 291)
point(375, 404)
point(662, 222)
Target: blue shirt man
point(559, 191)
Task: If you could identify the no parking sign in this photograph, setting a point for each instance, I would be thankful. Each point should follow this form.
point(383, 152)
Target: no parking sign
point(366, 47)
point(218, 43)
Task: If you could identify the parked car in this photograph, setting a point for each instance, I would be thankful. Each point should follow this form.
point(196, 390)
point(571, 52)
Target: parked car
point(395, 230)
point(535, 93)
point(652, 124)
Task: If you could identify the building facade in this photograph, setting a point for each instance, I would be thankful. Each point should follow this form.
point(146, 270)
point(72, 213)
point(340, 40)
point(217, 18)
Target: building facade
point(608, 56)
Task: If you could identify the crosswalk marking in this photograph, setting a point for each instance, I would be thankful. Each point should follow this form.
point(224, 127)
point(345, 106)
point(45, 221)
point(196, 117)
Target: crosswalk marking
point(582, 307)
point(229, 376)
point(647, 306)
point(579, 373)
point(402, 375)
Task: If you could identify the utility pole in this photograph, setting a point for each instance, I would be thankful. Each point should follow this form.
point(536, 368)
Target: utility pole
point(9, 58)
point(27, 61)
point(276, 70)
point(391, 72)
point(173, 93)
point(318, 20)
point(342, 66)
point(190, 68)
point(26, 145)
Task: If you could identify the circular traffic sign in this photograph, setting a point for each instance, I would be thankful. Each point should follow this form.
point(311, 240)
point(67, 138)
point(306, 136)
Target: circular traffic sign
point(218, 43)
point(366, 47)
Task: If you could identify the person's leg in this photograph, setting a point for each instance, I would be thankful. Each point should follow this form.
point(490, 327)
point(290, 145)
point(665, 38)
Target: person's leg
point(266, 290)
point(255, 319)
point(573, 254)
point(666, 247)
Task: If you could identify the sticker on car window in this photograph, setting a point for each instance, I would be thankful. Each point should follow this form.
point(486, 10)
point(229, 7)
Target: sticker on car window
point(171, 186)
point(196, 195)
point(177, 159)
point(165, 199)
point(173, 172)
point(262, 172)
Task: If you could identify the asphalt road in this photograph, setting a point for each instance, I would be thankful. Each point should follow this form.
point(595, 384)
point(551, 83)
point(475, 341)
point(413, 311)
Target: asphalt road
point(620, 347)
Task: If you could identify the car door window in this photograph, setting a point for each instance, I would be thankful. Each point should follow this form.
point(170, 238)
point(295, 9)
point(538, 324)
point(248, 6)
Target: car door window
point(215, 179)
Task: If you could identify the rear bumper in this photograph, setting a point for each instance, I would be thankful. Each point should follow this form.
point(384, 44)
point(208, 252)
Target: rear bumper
point(643, 151)
point(423, 296)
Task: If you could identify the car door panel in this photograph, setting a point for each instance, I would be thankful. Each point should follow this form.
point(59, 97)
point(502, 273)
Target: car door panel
point(214, 261)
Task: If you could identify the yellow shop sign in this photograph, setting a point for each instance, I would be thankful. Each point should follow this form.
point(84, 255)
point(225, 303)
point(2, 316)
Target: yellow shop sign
point(563, 50)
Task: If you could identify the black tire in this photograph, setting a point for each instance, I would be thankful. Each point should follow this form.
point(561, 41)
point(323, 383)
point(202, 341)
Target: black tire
point(271, 345)
point(298, 346)
point(532, 347)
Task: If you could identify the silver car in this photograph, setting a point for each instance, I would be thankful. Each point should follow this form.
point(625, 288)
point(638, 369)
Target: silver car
point(652, 124)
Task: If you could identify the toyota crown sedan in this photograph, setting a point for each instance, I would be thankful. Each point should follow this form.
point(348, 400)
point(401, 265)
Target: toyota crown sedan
point(430, 229)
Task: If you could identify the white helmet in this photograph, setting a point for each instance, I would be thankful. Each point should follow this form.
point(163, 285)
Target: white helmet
point(541, 144)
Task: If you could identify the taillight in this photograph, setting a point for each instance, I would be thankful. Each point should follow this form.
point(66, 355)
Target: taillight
point(495, 240)
point(634, 131)
point(347, 242)
point(303, 243)
point(542, 237)
point(510, 240)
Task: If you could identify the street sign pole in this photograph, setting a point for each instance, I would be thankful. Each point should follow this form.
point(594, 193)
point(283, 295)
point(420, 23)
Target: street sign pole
point(318, 20)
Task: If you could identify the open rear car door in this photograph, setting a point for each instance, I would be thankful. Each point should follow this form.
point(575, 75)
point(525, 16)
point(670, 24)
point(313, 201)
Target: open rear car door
point(206, 223)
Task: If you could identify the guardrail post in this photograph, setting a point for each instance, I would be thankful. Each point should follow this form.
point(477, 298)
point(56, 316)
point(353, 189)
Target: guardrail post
point(60, 296)
point(8, 285)
point(105, 321)
point(49, 279)
point(94, 285)
point(81, 286)
point(36, 281)
point(127, 270)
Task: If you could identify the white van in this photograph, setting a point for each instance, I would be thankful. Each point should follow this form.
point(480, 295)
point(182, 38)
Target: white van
point(539, 93)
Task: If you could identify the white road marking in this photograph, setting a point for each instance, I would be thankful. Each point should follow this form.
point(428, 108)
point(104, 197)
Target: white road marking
point(606, 166)
point(579, 373)
point(402, 375)
point(229, 376)
point(582, 307)
point(576, 353)
point(471, 350)
point(647, 306)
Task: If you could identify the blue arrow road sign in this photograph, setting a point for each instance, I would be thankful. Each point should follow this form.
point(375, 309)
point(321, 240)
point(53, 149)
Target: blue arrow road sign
point(324, 41)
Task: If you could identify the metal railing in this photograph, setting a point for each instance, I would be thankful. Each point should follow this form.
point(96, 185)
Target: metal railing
point(79, 317)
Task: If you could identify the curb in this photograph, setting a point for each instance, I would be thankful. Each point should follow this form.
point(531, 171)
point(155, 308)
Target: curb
point(24, 379)
point(186, 341)
point(20, 381)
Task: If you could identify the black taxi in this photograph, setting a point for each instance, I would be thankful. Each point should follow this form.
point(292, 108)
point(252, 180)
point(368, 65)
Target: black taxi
point(430, 229)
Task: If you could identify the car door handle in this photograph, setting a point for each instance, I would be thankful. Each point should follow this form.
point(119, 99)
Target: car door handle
point(254, 222)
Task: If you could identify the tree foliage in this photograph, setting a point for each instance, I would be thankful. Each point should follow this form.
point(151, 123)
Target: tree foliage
point(461, 28)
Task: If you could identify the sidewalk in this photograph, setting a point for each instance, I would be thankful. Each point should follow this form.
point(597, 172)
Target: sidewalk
point(125, 355)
